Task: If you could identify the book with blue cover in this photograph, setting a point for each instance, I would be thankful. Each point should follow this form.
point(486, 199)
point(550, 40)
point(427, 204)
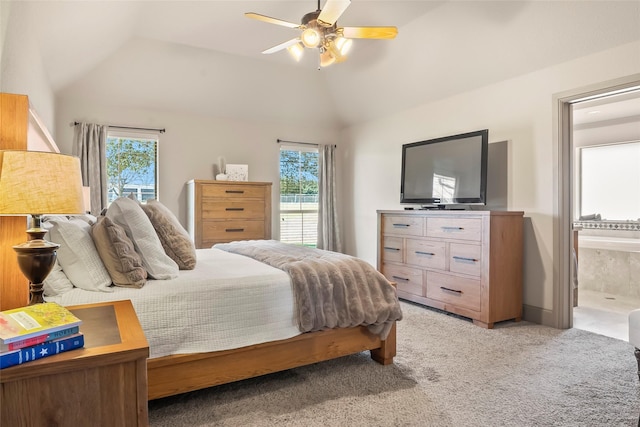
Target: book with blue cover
point(38, 339)
point(26, 322)
point(28, 354)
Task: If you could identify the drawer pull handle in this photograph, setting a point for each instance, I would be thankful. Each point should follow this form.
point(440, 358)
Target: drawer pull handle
point(387, 248)
point(233, 230)
point(452, 228)
point(401, 225)
point(464, 259)
point(425, 253)
point(450, 290)
point(235, 191)
point(234, 209)
point(400, 278)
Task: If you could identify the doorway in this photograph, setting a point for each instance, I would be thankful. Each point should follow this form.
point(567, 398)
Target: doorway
point(565, 269)
point(606, 209)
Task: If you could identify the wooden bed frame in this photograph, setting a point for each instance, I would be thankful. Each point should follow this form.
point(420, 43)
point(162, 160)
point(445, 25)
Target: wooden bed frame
point(177, 374)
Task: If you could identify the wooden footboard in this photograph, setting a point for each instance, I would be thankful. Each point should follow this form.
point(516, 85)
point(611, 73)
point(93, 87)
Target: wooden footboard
point(177, 374)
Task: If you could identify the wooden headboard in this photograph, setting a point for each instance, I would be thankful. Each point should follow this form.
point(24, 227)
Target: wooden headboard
point(20, 129)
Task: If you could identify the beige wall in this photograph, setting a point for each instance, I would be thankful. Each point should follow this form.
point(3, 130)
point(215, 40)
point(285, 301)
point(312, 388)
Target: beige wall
point(192, 145)
point(518, 110)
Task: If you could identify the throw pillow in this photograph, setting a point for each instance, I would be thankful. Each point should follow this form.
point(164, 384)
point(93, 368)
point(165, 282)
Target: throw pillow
point(79, 258)
point(56, 283)
point(128, 214)
point(118, 254)
point(174, 238)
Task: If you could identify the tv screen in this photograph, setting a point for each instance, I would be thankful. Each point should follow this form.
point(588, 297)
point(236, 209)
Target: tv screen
point(446, 171)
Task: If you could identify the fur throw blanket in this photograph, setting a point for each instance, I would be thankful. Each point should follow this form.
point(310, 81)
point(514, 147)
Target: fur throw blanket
point(331, 290)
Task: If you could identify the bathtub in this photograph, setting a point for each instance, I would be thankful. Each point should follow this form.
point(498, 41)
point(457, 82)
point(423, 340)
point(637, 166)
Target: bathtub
point(611, 243)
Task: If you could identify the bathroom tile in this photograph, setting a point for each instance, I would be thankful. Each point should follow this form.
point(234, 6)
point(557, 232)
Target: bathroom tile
point(604, 313)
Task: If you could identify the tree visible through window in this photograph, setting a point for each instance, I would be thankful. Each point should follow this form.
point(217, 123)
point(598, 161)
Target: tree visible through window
point(299, 195)
point(131, 166)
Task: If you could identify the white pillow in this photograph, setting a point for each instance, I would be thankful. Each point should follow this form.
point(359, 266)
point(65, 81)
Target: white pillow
point(88, 218)
point(57, 283)
point(130, 216)
point(79, 258)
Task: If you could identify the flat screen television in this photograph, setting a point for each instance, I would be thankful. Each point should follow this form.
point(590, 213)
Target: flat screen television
point(441, 172)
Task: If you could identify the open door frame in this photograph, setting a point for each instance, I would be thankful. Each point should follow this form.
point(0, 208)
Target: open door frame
point(563, 268)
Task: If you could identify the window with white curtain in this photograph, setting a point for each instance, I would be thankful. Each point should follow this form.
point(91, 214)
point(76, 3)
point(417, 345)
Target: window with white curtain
point(299, 194)
point(132, 165)
point(610, 181)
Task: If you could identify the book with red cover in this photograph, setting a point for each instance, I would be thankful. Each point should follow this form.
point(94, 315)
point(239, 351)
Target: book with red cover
point(28, 354)
point(46, 337)
point(34, 320)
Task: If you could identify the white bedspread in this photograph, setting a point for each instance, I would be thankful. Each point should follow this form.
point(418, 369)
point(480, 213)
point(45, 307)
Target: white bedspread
point(228, 301)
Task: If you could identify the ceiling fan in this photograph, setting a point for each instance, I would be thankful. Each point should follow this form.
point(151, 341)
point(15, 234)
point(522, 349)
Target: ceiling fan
point(319, 30)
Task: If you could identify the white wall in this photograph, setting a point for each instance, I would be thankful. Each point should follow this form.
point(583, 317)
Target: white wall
point(192, 145)
point(21, 68)
point(518, 110)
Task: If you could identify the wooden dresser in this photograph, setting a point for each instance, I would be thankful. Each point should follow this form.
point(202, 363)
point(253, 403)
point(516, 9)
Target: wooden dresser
point(464, 262)
point(224, 211)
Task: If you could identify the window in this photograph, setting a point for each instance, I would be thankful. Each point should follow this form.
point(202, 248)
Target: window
point(299, 195)
point(132, 165)
point(610, 181)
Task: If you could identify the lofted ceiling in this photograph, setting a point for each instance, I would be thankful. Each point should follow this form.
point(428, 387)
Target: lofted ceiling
point(204, 57)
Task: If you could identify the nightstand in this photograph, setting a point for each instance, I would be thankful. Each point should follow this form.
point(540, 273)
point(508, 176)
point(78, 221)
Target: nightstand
point(102, 384)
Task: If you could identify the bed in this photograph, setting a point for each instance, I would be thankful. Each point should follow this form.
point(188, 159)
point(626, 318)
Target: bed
point(234, 317)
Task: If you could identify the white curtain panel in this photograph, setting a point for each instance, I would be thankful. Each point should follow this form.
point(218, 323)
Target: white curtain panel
point(89, 144)
point(328, 229)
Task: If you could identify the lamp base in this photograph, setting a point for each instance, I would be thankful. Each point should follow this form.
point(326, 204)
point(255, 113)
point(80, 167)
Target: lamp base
point(36, 291)
point(36, 259)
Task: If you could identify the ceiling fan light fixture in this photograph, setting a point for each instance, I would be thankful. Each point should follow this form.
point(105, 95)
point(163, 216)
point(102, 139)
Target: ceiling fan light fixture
point(310, 38)
point(343, 45)
point(296, 51)
point(326, 58)
point(319, 29)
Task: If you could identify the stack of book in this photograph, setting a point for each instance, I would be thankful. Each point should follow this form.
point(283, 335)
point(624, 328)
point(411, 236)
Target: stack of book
point(37, 331)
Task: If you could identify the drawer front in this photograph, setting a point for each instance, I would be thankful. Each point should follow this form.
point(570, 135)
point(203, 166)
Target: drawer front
point(232, 209)
point(455, 228)
point(232, 230)
point(465, 259)
point(454, 290)
point(408, 279)
point(233, 191)
point(404, 225)
point(425, 253)
point(392, 249)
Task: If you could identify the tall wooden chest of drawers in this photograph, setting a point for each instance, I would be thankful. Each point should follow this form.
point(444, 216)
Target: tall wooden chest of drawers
point(223, 211)
point(464, 262)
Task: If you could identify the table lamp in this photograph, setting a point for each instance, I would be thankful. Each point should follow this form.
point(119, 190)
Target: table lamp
point(38, 183)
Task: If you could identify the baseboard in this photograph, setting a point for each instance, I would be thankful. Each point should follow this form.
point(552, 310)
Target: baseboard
point(538, 315)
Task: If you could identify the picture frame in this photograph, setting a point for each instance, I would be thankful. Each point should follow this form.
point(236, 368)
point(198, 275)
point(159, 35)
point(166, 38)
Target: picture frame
point(237, 172)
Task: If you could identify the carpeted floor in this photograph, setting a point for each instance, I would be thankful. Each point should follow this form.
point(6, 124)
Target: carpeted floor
point(448, 372)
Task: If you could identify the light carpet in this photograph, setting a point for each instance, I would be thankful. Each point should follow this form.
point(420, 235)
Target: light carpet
point(448, 372)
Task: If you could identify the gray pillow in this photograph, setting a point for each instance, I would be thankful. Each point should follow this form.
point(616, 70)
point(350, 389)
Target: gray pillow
point(118, 254)
point(79, 258)
point(174, 238)
point(130, 216)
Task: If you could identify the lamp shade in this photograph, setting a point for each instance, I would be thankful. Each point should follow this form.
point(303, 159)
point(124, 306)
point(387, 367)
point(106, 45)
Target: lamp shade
point(34, 182)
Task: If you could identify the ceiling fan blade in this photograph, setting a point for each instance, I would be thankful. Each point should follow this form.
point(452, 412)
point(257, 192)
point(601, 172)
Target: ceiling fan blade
point(369, 32)
point(282, 46)
point(271, 20)
point(332, 10)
